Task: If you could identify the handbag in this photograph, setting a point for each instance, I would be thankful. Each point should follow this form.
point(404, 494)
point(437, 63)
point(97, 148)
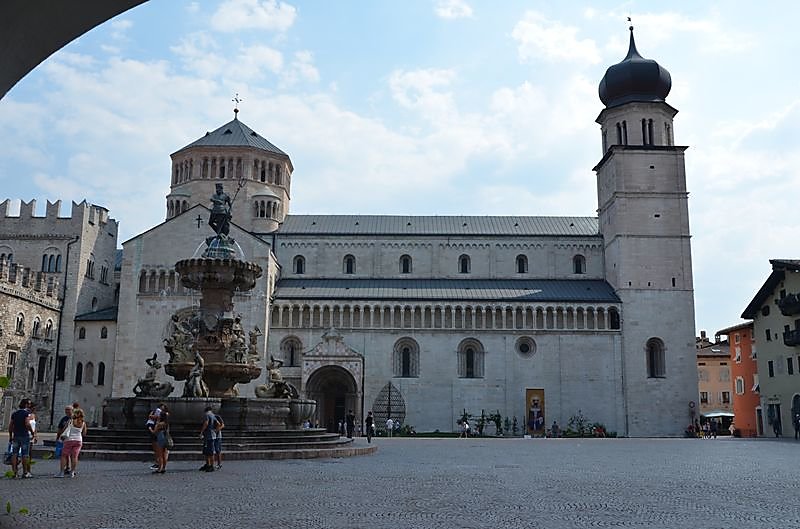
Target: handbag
point(59, 448)
point(170, 442)
point(65, 434)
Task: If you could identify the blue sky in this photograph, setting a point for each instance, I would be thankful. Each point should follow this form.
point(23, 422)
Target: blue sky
point(426, 107)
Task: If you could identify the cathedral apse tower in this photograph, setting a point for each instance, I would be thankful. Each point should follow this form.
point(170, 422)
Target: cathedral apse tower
point(644, 221)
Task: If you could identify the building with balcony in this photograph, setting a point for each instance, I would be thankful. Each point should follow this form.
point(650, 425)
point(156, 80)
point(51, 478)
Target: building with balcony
point(776, 325)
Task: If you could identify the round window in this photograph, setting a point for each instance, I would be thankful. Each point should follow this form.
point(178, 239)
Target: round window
point(526, 346)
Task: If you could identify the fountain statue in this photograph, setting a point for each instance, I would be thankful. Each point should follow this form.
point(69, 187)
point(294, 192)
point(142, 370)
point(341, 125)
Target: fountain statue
point(211, 351)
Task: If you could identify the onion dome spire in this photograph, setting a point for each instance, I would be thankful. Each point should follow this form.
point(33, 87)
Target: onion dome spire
point(634, 79)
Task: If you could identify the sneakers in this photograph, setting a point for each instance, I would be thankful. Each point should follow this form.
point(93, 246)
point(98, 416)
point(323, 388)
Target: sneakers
point(59, 474)
point(205, 467)
point(27, 475)
point(209, 469)
point(153, 467)
point(219, 466)
point(72, 474)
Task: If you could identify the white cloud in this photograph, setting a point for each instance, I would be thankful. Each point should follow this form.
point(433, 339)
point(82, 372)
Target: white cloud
point(237, 15)
point(713, 35)
point(540, 38)
point(252, 59)
point(419, 89)
point(301, 69)
point(453, 9)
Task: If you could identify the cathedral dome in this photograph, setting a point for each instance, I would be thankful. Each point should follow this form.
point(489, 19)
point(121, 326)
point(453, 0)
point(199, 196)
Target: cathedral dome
point(634, 79)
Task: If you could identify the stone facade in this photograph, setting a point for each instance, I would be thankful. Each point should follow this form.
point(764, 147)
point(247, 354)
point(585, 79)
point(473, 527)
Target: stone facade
point(79, 252)
point(29, 311)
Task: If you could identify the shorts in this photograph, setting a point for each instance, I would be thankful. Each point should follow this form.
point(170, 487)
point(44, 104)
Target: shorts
point(217, 445)
point(71, 448)
point(208, 447)
point(21, 445)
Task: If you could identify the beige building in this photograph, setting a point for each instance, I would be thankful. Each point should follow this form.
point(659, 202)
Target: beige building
point(714, 378)
point(775, 311)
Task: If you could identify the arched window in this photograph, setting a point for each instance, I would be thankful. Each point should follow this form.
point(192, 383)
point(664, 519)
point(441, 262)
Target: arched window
point(103, 333)
point(31, 377)
point(470, 359)
point(19, 327)
point(79, 374)
point(299, 264)
point(82, 333)
point(48, 330)
point(656, 361)
point(349, 264)
point(522, 264)
point(405, 264)
point(406, 358)
point(579, 264)
point(89, 378)
point(41, 375)
point(94, 304)
point(10, 362)
point(292, 349)
point(58, 263)
point(90, 266)
point(463, 264)
point(101, 374)
point(37, 324)
point(613, 318)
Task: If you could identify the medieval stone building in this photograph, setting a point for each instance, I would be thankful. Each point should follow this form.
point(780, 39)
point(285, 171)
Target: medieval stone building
point(421, 318)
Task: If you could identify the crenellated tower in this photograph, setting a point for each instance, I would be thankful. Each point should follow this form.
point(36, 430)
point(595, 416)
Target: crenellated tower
point(644, 220)
point(233, 154)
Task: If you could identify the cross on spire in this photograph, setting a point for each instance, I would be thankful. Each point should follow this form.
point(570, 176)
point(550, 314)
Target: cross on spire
point(236, 99)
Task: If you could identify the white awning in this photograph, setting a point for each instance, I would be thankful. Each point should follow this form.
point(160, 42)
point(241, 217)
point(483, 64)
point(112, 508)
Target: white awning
point(717, 413)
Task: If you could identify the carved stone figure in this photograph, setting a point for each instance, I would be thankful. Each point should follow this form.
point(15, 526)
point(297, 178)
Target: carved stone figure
point(252, 348)
point(148, 386)
point(179, 342)
point(276, 387)
point(195, 387)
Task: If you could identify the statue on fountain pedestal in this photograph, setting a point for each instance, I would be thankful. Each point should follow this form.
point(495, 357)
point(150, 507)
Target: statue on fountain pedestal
point(276, 387)
point(148, 386)
point(195, 387)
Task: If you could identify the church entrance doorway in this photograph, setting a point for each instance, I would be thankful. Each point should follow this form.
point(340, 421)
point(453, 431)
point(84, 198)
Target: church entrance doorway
point(336, 392)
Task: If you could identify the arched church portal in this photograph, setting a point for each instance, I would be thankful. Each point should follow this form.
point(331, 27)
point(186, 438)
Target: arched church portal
point(336, 392)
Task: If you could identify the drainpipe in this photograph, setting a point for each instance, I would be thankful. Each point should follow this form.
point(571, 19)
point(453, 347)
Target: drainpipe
point(58, 336)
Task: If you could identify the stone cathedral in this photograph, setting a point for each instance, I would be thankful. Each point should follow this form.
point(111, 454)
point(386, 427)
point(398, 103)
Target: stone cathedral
point(419, 318)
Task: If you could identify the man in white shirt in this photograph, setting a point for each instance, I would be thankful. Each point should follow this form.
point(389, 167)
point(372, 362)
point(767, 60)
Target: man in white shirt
point(389, 426)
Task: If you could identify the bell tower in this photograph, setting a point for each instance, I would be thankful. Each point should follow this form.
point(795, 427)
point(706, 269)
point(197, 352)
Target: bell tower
point(643, 218)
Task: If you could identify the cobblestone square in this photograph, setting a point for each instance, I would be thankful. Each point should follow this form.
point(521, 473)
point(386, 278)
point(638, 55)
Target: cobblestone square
point(421, 483)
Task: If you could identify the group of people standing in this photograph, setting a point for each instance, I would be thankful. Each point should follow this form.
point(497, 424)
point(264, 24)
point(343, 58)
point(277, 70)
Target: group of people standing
point(22, 435)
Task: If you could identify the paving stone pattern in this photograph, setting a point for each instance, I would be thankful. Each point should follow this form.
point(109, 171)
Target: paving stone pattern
point(421, 483)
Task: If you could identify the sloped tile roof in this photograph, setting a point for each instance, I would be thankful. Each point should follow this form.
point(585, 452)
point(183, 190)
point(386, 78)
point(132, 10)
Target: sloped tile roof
point(489, 290)
point(109, 314)
point(236, 134)
point(437, 225)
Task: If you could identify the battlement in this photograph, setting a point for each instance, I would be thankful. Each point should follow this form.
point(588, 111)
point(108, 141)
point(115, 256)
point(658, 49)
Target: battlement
point(91, 213)
point(40, 287)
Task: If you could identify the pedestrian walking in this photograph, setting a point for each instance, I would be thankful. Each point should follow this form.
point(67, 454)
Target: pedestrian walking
point(218, 442)
point(796, 424)
point(714, 428)
point(350, 421)
point(73, 435)
point(208, 433)
point(20, 434)
point(369, 426)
